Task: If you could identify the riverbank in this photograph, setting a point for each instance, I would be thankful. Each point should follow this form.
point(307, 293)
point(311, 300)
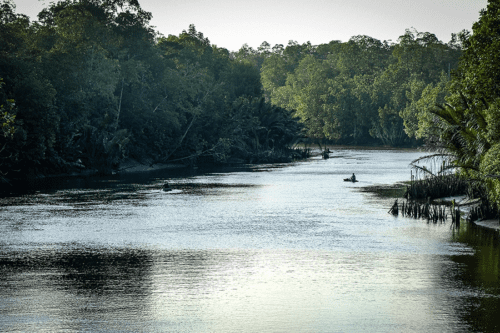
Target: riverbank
point(9, 186)
point(488, 224)
point(451, 190)
point(464, 203)
point(131, 166)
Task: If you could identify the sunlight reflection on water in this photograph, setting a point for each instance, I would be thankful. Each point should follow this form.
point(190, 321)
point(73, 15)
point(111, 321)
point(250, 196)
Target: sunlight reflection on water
point(287, 249)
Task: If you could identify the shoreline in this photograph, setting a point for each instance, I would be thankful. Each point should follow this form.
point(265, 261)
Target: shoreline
point(488, 224)
point(127, 167)
point(464, 202)
point(132, 166)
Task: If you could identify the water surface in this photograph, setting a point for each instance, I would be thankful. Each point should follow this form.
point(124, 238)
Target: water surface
point(271, 248)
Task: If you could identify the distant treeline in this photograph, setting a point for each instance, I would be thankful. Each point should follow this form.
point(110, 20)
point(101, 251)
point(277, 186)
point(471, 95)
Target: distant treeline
point(361, 91)
point(91, 83)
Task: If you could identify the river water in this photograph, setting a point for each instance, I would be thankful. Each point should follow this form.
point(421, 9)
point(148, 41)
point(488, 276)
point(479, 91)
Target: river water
point(268, 248)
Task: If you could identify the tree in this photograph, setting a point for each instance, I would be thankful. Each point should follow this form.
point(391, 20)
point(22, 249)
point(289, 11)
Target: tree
point(97, 55)
point(467, 125)
point(363, 55)
point(273, 74)
point(422, 99)
point(35, 118)
point(308, 89)
point(477, 82)
point(7, 118)
point(479, 70)
point(422, 54)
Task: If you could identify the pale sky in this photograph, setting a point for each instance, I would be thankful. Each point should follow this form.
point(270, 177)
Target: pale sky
point(232, 23)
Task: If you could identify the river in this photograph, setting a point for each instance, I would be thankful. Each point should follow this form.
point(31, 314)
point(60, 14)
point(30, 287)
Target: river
point(266, 248)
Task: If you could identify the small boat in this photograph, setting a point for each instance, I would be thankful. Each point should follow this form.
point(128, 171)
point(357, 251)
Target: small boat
point(167, 188)
point(326, 154)
point(350, 180)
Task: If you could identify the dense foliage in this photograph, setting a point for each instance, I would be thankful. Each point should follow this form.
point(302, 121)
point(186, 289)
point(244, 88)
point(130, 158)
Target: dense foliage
point(461, 117)
point(363, 91)
point(91, 83)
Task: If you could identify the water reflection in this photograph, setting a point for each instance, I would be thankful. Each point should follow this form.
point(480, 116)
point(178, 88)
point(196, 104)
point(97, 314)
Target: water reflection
point(227, 291)
point(270, 249)
point(480, 272)
point(52, 290)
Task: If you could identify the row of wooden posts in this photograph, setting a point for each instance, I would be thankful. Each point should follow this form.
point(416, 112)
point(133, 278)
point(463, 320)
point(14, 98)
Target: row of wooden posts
point(427, 184)
point(432, 213)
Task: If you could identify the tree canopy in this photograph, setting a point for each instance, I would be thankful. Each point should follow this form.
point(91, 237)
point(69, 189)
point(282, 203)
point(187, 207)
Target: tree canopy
point(92, 83)
point(461, 116)
point(363, 91)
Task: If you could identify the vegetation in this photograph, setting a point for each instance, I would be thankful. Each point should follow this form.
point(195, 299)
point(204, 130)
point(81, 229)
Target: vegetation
point(93, 84)
point(438, 186)
point(460, 118)
point(363, 91)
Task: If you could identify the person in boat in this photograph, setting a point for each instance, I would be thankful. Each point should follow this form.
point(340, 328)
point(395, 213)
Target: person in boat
point(166, 187)
point(353, 178)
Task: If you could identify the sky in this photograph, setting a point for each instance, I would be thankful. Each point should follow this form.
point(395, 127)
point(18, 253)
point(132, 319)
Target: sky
point(232, 23)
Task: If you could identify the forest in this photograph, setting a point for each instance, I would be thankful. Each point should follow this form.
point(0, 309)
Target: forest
point(91, 83)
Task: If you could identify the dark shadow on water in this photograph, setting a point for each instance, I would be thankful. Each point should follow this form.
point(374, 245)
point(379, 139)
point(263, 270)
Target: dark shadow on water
point(70, 283)
point(480, 271)
point(477, 272)
point(385, 191)
point(119, 187)
point(81, 269)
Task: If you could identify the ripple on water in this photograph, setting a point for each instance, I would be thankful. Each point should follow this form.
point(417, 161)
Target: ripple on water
point(288, 248)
